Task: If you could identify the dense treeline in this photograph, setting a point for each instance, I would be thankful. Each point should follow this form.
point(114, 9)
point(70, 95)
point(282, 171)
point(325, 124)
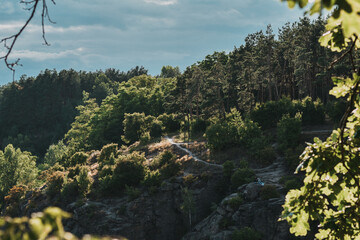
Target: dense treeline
point(35, 112)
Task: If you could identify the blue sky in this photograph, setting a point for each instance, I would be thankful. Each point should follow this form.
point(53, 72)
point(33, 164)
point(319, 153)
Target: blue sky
point(98, 34)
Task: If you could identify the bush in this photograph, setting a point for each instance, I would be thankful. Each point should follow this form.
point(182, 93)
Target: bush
point(220, 136)
point(242, 176)
point(77, 158)
point(155, 129)
point(84, 181)
point(292, 159)
point(170, 169)
point(228, 169)
point(132, 193)
point(162, 159)
point(70, 191)
point(170, 122)
point(198, 126)
point(288, 131)
point(235, 202)
point(246, 233)
point(55, 183)
point(269, 113)
point(336, 110)
point(129, 170)
point(268, 191)
point(313, 112)
point(133, 124)
point(152, 179)
point(266, 155)
point(189, 179)
point(107, 151)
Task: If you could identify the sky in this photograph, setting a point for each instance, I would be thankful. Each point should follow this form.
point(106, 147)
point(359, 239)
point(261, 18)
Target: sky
point(91, 35)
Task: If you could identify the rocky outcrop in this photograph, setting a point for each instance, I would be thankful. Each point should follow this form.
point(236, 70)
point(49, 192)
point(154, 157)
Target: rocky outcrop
point(260, 215)
point(150, 216)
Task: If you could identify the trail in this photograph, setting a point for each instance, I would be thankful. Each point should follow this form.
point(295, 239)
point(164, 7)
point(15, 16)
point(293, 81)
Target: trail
point(196, 159)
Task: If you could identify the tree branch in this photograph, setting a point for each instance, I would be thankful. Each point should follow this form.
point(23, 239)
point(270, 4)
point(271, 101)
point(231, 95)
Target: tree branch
point(9, 42)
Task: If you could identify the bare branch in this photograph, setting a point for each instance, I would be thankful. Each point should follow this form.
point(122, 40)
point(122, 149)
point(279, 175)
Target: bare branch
point(9, 42)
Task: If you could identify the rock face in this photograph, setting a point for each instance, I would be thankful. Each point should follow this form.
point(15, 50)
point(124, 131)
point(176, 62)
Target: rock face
point(261, 215)
point(150, 216)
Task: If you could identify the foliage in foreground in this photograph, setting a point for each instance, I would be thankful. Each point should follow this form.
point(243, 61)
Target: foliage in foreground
point(43, 225)
point(330, 196)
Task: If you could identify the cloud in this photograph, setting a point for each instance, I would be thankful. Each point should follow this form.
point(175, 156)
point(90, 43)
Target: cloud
point(161, 2)
point(42, 56)
point(7, 8)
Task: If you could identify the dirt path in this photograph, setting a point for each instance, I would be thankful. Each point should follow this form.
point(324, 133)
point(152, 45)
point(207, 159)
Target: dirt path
point(196, 159)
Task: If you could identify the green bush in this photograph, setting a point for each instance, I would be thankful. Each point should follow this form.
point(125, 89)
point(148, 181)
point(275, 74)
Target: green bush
point(292, 159)
point(220, 136)
point(107, 151)
point(70, 191)
point(152, 179)
point(336, 109)
point(156, 129)
point(235, 202)
point(133, 126)
point(129, 170)
point(132, 193)
point(55, 183)
point(198, 126)
point(228, 169)
point(163, 158)
point(266, 155)
point(288, 131)
point(84, 181)
point(242, 176)
point(313, 112)
point(269, 113)
point(268, 191)
point(170, 122)
point(74, 171)
point(170, 169)
point(77, 158)
point(246, 233)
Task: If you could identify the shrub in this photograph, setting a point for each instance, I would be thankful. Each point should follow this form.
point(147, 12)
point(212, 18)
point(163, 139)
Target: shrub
point(292, 156)
point(70, 191)
point(155, 129)
point(106, 170)
point(170, 122)
point(313, 112)
point(12, 200)
point(288, 131)
point(55, 183)
point(189, 179)
point(133, 123)
point(268, 191)
point(107, 151)
point(163, 158)
point(129, 170)
point(228, 169)
point(77, 158)
point(54, 153)
point(220, 136)
point(235, 202)
point(152, 179)
point(145, 138)
point(84, 181)
point(336, 110)
point(242, 176)
point(269, 113)
point(74, 171)
point(170, 169)
point(246, 233)
point(266, 155)
point(132, 193)
point(198, 126)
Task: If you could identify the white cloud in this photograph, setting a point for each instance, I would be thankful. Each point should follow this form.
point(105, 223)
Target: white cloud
point(161, 2)
point(42, 56)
